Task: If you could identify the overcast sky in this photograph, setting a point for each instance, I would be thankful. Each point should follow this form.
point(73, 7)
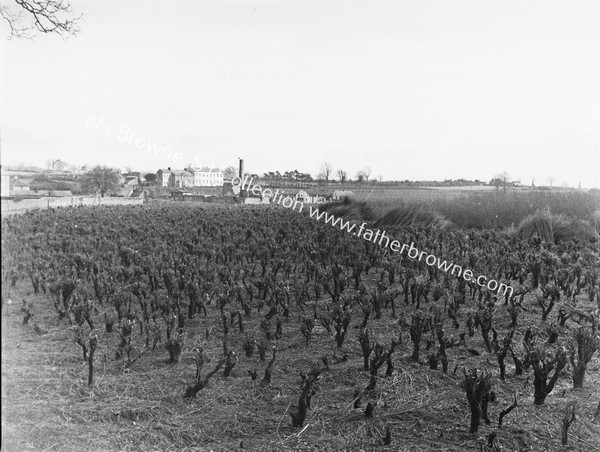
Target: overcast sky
point(412, 89)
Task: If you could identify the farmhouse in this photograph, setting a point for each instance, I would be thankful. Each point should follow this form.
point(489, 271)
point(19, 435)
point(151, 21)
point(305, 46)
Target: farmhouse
point(338, 195)
point(307, 196)
point(21, 186)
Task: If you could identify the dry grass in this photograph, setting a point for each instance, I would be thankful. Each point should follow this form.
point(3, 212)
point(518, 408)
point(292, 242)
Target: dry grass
point(484, 208)
point(555, 228)
point(47, 405)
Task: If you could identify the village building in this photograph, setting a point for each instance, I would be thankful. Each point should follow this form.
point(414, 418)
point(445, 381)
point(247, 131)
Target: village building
point(312, 196)
point(189, 177)
point(170, 178)
point(207, 177)
point(339, 195)
point(21, 187)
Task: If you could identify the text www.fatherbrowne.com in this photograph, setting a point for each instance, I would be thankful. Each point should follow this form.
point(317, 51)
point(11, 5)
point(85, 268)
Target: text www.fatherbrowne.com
point(379, 237)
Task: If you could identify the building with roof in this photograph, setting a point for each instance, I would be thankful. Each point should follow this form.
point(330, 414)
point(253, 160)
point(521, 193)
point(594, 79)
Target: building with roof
point(189, 177)
point(182, 178)
point(132, 181)
point(163, 176)
point(306, 196)
point(171, 178)
point(21, 186)
point(339, 195)
point(207, 177)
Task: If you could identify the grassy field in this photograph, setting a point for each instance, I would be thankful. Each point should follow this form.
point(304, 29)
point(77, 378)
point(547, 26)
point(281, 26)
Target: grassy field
point(482, 207)
point(377, 193)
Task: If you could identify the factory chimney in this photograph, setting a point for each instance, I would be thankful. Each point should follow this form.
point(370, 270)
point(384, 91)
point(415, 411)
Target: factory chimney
point(241, 175)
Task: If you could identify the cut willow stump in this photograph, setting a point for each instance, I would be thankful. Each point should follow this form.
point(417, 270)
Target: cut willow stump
point(478, 388)
point(568, 419)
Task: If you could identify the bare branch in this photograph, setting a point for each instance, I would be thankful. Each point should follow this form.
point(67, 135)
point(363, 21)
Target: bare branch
point(45, 16)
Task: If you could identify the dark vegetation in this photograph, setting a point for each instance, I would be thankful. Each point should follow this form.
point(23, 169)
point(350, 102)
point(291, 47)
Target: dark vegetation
point(549, 216)
point(157, 323)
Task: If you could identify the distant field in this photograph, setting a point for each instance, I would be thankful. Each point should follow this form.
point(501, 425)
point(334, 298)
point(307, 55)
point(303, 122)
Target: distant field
point(477, 206)
point(376, 193)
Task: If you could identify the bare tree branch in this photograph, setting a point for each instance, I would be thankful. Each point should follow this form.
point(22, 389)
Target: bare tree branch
point(45, 16)
point(325, 172)
point(342, 175)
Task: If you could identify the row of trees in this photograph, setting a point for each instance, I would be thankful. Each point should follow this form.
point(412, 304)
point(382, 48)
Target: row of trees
point(326, 173)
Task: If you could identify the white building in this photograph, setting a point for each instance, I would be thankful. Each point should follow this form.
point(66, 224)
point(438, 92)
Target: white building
point(311, 196)
point(207, 177)
point(339, 195)
point(21, 186)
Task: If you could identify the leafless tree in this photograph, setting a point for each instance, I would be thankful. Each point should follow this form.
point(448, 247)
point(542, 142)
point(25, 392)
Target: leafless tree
point(45, 16)
point(325, 172)
point(367, 172)
point(342, 175)
point(501, 180)
point(364, 174)
point(496, 182)
point(229, 173)
point(505, 179)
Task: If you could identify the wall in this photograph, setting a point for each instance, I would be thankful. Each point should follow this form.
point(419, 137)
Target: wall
point(12, 206)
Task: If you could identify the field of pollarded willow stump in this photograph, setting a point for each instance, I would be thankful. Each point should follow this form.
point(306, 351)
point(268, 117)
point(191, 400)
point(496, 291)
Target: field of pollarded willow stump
point(178, 327)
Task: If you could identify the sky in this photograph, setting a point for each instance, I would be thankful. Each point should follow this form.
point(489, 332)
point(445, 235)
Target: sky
point(417, 90)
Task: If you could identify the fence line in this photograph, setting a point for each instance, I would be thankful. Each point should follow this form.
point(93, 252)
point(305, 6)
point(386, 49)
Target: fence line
point(12, 206)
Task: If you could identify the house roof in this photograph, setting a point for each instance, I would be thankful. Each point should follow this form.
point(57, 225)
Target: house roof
point(176, 172)
point(313, 192)
point(290, 191)
point(205, 169)
point(308, 191)
point(124, 191)
point(181, 172)
point(137, 192)
point(22, 183)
